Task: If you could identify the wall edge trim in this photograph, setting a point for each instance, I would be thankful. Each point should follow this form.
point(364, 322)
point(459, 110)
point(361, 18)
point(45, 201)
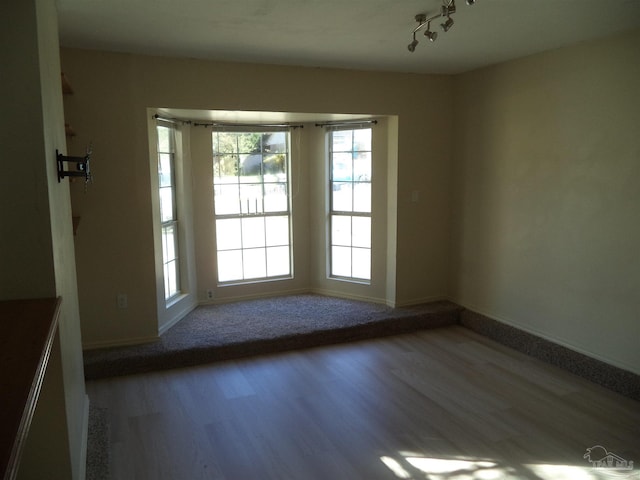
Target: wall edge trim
point(612, 377)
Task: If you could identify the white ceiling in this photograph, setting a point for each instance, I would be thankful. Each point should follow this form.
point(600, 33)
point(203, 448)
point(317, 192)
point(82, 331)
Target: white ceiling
point(354, 34)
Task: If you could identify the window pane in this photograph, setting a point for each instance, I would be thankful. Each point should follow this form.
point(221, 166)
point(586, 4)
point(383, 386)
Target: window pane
point(251, 198)
point(228, 234)
point(278, 261)
point(250, 167)
point(341, 261)
point(171, 279)
point(275, 197)
point(164, 139)
point(255, 263)
point(227, 199)
point(277, 230)
point(229, 265)
point(342, 200)
point(362, 197)
point(340, 230)
point(225, 142)
point(253, 232)
point(362, 167)
point(341, 140)
point(275, 142)
point(168, 243)
point(167, 288)
point(225, 169)
point(166, 204)
point(362, 263)
point(249, 142)
point(362, 139)
point(361, 232)
point(165, 176)
point(274, 167)
point(342, 166)
point(164, 246)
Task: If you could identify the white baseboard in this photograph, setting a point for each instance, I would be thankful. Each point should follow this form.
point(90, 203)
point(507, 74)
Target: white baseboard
point(255, 296)
point(420, 301)
point(329, 293)
point(348, 296)
point(118, 343)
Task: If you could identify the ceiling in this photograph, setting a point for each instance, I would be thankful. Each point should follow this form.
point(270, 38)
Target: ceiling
point(353, 34)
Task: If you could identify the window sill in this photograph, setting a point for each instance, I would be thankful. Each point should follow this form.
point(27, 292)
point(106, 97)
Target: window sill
point(175, 300)
point(351, 280)
point(253, 281)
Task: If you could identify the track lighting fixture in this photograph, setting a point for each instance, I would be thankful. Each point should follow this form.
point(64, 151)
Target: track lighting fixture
point(448, 8)
point(429, 34)
point(447, 24)
point(413, 44)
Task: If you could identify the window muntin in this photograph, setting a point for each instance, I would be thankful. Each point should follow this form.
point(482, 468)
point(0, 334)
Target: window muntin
point(168, 210)
point(251, 205)
point(350, 203)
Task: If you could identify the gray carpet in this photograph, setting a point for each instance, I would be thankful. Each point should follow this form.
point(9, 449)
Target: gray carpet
point(98, 448)
point(221, 332)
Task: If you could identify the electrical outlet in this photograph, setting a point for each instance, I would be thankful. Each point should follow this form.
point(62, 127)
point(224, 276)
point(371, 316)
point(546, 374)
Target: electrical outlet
point(209, 294)
point(123, 302)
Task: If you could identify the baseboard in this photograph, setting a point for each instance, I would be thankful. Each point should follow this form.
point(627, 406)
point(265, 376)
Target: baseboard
point(537, 333)
point(329, 293)
point(82, 468)
point(118, 343)
point(423, 300)
point(254, 296)
point(347, 296)
point(612, 377)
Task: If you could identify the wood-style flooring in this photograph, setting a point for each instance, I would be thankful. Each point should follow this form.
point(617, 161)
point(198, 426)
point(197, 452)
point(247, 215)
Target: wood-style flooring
point(437, 404)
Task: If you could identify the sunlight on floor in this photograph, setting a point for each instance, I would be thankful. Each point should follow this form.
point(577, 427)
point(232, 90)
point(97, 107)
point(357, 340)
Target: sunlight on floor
point(410, 466)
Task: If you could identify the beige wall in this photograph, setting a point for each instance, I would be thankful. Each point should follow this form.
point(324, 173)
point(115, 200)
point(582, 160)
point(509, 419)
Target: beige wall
point(75, 399)
point(37, 254)
point(547, 226)
point(26, 264)
point(113, 92)
point(538, 184)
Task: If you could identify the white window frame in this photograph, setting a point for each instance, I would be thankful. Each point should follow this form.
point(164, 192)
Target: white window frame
point(254, 211)
point(350, 214)
point(169, 215)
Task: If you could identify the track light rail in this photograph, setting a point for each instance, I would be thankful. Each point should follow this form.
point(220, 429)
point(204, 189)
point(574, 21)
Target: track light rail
point(447, 9)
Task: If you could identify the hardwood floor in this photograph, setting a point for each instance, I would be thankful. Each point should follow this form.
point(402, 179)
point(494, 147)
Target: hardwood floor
point(438, 404)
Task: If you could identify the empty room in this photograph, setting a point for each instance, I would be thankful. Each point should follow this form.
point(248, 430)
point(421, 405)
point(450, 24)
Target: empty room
point(271, 239)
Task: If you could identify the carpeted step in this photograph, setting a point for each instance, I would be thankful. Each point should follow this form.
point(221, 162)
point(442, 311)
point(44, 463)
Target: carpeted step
point(257, 327)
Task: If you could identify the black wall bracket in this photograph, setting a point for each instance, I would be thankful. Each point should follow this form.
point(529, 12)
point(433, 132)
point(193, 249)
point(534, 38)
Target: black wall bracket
point(81, 166)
